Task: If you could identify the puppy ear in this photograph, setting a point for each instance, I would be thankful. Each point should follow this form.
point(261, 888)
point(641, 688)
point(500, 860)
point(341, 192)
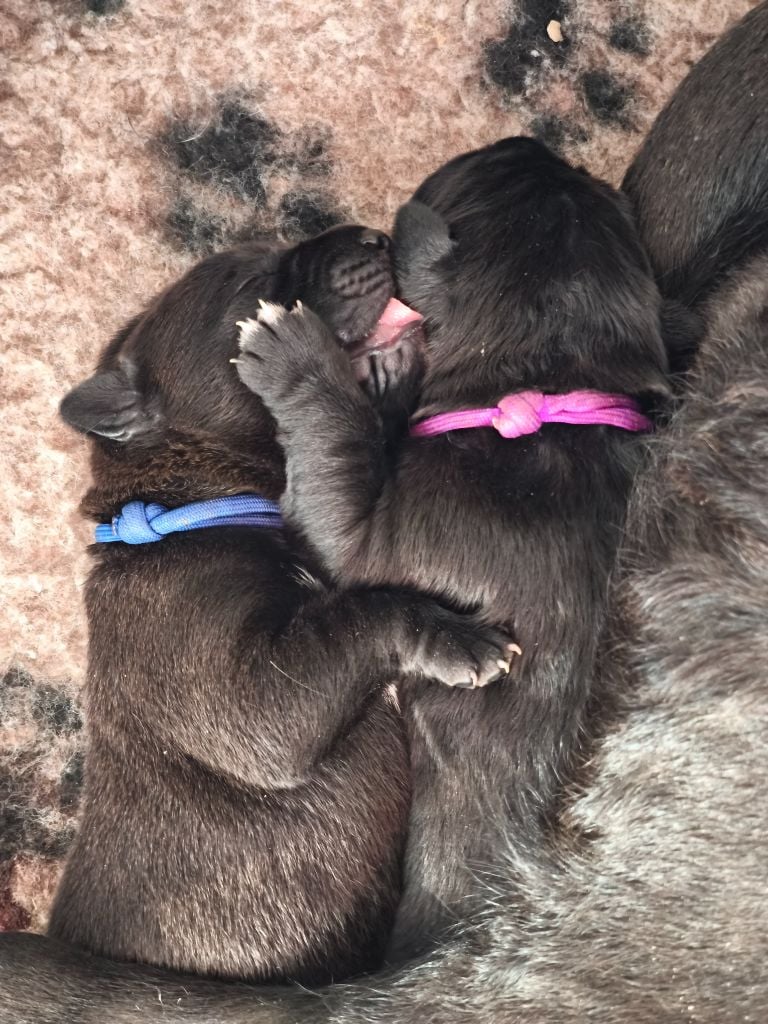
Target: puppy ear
point(421, 241)
point(421, 236)
point(110, 405)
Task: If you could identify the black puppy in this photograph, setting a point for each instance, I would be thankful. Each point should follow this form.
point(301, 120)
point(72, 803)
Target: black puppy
point(247, 784)
point(530, 276)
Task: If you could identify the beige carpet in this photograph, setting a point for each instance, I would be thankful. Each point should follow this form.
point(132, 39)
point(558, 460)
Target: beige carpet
point(136, 135)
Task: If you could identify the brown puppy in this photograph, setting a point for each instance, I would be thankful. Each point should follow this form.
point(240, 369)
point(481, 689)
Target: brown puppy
point(246, 783)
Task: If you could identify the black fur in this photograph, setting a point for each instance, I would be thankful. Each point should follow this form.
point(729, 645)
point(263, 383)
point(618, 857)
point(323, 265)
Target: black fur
point(530, 276)
point(246, 778)
point(700, 182)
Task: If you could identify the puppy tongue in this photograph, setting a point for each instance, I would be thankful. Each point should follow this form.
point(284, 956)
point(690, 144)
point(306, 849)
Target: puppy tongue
point(398, 315)
point(390, 327)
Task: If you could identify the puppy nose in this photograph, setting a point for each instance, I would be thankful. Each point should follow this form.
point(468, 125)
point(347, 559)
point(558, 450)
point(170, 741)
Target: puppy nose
point(375, 239)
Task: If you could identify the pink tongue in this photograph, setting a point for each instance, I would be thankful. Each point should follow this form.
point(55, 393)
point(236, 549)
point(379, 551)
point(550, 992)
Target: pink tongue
point(397, 314)
point(392, 322)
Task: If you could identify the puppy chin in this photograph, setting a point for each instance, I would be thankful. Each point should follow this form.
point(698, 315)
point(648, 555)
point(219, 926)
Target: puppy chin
point(397, 358)
point(393, 350)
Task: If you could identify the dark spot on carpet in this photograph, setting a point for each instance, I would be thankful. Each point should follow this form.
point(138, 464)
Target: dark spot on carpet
point(550, 131)
point(56, 711)
point(233, 151)
point(310, 154)
point(194, 228)
point(556, 132)
point(103, 7)
point(631, 35)
point(17, 676)
point(23, 827)
point(71, 782)
point(513, 62)
point(23, 830)
point(304, 214)
point(12, 917)
point(606, 97)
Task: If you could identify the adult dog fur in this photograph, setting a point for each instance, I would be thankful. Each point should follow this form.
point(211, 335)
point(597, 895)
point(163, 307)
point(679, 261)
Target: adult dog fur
point(246, 782)
point(530, 275)
point(699, 184)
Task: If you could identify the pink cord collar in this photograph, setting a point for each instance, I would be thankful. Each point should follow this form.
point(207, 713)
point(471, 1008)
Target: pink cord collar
point(526, 411)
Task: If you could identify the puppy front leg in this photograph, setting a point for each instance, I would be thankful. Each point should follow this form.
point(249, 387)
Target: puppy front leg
point(333, 438)
point(286, 693)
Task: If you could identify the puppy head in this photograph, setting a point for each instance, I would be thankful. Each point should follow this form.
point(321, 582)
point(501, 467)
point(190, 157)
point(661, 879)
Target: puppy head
point(344, 275)
point(167, 374)
point(529, 272)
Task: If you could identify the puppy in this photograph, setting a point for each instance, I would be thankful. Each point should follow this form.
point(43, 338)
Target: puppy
point(530, 276)
point(247, 780)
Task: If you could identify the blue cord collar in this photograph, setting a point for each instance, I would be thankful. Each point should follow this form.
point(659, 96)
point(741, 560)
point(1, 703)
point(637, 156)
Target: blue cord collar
point(144, 523)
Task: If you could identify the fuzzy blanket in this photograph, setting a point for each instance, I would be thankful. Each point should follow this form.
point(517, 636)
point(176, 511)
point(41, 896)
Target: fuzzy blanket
point(138, 135)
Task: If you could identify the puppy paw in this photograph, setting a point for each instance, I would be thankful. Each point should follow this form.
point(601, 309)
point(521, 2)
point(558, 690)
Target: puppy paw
point(278, 348)
point(459, 651)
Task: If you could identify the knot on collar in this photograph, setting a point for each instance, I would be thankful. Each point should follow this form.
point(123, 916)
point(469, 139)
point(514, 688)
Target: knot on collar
point(142, 522)
point(526, 411)
point(134, 524)
point(522, 413)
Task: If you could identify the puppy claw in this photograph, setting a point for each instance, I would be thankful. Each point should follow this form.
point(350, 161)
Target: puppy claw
point(248, 329)
point(270, 313)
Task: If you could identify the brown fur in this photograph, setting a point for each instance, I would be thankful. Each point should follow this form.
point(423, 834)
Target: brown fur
point(246, 780)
